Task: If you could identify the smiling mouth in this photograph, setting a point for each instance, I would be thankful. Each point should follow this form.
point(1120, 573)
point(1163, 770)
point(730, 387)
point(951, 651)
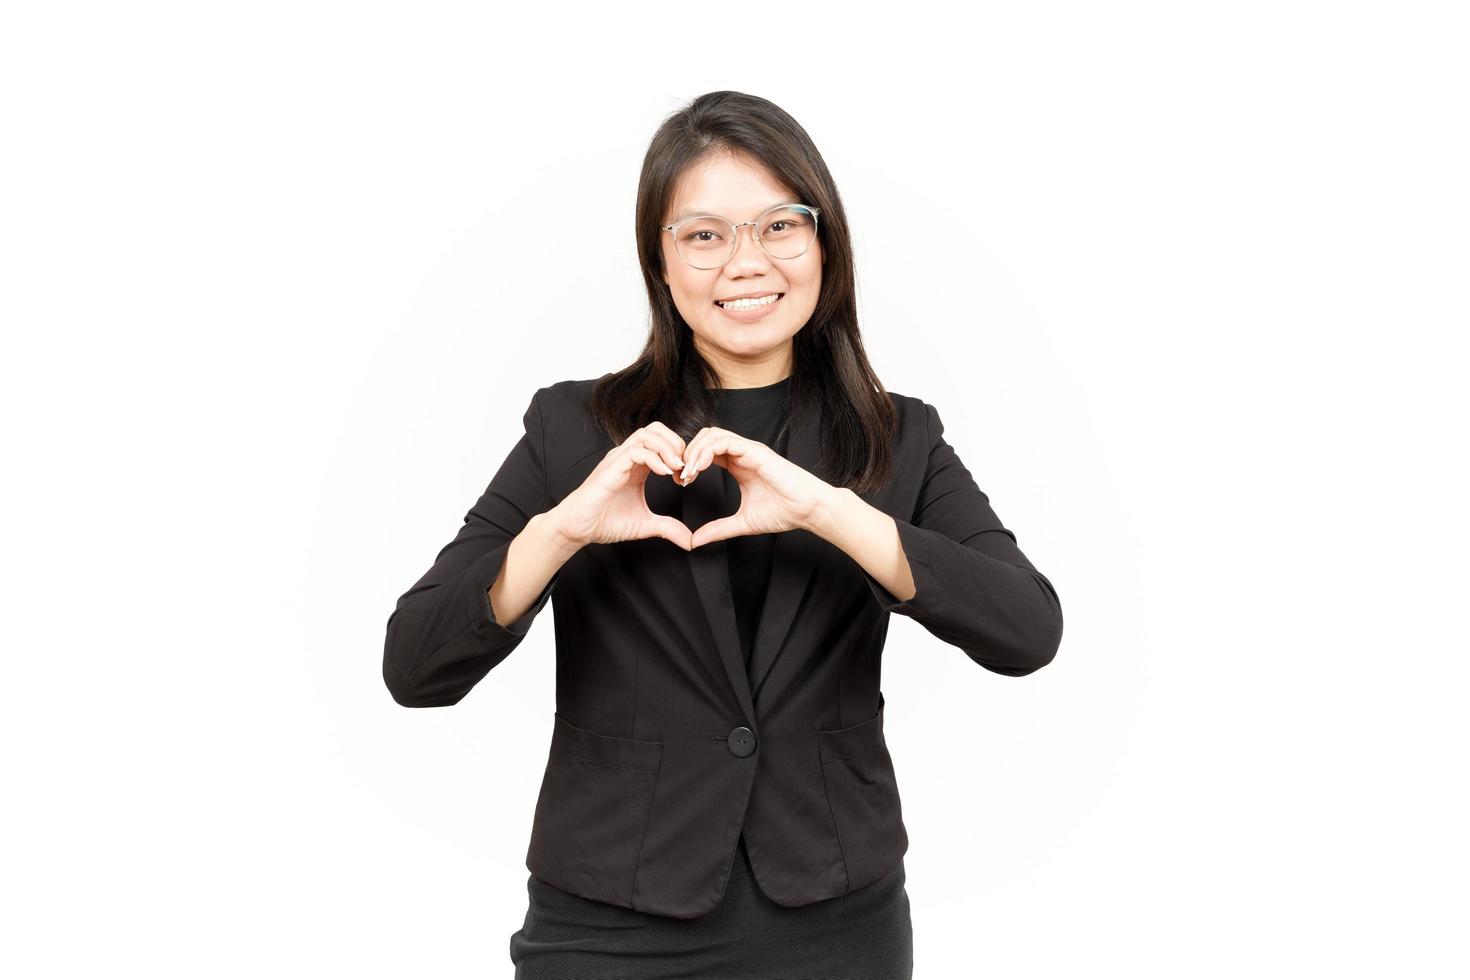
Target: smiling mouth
point(757, 304)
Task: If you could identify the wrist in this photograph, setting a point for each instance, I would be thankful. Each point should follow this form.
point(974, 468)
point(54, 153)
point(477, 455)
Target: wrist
point(549, 529)
point(828, 513)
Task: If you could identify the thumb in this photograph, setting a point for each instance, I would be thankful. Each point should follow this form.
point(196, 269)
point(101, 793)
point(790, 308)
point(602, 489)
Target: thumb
point(715, 530)
point(670, 529)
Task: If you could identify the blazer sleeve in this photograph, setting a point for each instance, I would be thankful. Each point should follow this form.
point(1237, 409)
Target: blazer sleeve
point(975, 589)
point(442, 637)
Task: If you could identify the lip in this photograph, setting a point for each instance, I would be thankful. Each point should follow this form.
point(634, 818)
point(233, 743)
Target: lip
point(746, 316)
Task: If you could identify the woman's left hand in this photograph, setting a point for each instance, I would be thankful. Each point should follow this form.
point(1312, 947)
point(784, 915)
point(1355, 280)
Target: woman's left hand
point(775, 494)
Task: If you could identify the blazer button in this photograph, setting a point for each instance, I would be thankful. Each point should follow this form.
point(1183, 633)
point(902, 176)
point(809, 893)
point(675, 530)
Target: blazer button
point(741, 741)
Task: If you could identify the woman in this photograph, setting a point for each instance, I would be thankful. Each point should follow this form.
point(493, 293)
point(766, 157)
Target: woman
point(726, 525)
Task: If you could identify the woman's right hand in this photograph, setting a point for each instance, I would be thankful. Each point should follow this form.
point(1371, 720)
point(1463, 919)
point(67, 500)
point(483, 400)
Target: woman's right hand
point(609, 506)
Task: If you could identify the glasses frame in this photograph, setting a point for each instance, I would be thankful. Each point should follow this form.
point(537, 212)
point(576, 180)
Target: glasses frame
point(673, 229)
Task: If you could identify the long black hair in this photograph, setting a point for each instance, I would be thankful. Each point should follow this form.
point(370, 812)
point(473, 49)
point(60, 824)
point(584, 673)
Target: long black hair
point(669, 379)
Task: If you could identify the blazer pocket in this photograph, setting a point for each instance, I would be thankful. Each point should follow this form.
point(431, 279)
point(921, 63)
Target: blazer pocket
point(862, 791)
point(592, 812)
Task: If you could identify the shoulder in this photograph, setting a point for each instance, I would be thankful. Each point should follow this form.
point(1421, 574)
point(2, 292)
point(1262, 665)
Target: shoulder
point(905, 403)
point(561, 399)
point(571, 393)
point(914, 416)
point(562, 409)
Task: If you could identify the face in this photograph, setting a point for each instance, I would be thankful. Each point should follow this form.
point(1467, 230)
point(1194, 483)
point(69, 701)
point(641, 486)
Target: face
point(750, 348)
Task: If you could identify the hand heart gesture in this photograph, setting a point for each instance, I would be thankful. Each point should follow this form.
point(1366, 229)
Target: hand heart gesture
point(775, 494)
point(610, 506)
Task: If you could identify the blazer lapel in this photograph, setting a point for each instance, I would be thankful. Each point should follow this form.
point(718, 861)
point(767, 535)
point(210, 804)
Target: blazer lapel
point(703, 501)
point(793, 555)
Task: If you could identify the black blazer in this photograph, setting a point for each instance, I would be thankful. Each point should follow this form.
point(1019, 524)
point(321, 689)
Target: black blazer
point(663, 747)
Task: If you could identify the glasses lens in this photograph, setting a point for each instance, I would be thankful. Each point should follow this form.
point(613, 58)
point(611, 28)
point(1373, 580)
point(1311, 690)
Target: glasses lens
point(704, 242)
point(788, 232)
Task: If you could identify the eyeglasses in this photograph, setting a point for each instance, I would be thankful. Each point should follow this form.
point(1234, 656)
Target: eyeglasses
point(707, 241)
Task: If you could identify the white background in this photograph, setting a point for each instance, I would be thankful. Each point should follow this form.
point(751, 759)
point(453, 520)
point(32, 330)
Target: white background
point(279, 280)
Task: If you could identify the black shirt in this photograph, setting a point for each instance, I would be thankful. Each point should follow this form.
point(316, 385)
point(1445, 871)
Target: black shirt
point(755, 413)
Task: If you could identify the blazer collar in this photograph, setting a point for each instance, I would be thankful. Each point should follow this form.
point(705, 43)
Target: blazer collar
point(792, 558)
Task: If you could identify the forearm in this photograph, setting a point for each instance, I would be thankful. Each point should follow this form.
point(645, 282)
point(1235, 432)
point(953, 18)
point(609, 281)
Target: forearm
point(469, 613)
point(982, 596)
point(868, 536)
point(535, 555)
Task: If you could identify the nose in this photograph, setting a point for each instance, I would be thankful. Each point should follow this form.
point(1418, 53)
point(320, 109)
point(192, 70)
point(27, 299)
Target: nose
point(748, 252)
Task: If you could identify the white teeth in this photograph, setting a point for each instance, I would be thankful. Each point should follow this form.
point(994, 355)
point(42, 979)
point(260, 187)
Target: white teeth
point(750, 304)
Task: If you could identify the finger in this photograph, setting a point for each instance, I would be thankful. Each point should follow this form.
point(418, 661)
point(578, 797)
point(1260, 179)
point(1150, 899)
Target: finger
point(698, 460)
point(696, 447)
point(663, 445)
point(719, 446)
point(657, 440)
point(650, 459)
point(671, 529)
point(720, 451)
point(697, 441)
point(689, 470)
point(673, 436)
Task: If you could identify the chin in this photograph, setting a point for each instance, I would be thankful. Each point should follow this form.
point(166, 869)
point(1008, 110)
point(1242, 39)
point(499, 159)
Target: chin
point(754, 336)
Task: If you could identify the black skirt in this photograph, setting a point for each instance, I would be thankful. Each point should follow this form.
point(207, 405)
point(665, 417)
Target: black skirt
point(863, 935)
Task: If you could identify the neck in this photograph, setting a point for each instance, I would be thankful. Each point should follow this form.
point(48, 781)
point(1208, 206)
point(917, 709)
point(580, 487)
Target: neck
point(775, 366)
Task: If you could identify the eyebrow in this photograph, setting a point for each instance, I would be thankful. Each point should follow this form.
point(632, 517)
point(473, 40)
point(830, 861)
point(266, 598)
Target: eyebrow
point(694, 211)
